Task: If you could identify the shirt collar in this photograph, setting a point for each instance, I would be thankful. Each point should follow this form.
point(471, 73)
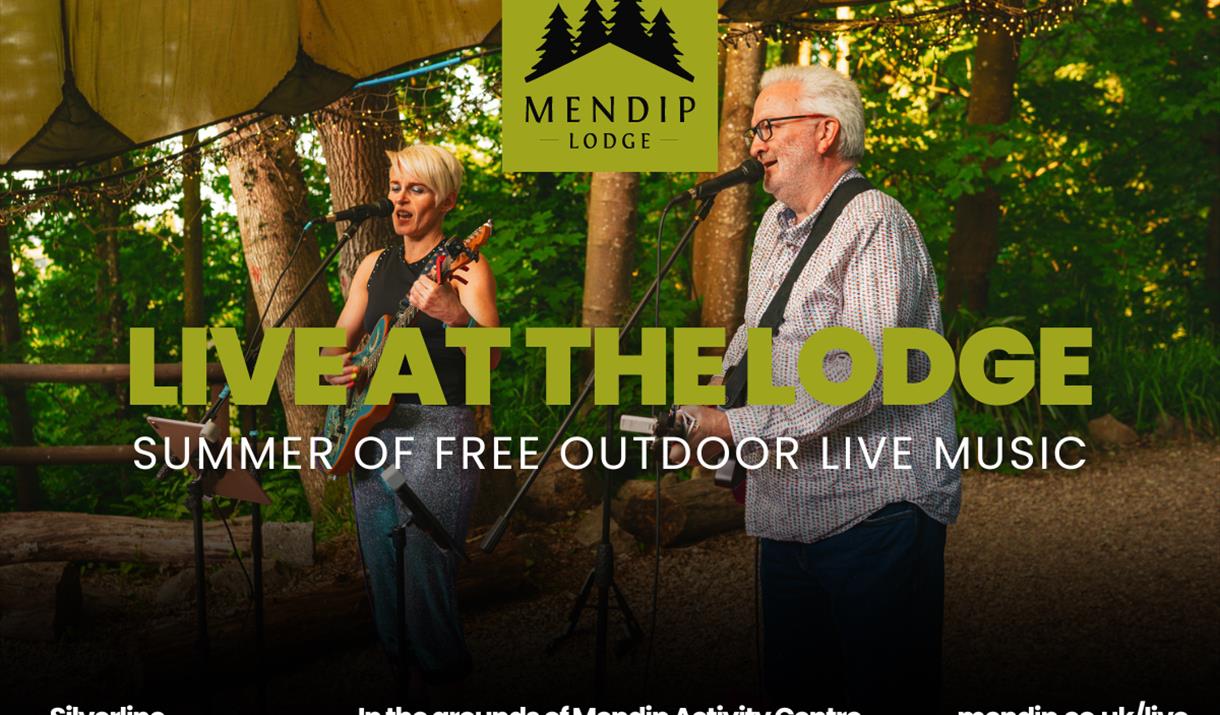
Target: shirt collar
point(795, 233)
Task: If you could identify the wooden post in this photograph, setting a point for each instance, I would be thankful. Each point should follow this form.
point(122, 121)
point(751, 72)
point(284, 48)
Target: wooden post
point(20, 373)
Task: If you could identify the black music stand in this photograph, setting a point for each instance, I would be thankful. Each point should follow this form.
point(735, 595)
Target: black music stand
point(198, 487)
point(602, 574)
point(183, 440)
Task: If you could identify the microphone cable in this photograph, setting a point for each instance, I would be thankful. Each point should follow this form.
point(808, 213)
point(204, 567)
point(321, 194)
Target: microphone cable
point(236, 550)
point(246, 358)
point(262, 315)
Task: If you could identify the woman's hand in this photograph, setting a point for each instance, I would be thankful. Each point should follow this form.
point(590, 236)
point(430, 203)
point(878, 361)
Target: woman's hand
point(348, 375)
point(438, 300)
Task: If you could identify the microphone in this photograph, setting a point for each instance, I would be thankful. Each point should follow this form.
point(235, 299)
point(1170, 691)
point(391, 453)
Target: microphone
point(420, 514)
point(377, 209)
point(749, 172)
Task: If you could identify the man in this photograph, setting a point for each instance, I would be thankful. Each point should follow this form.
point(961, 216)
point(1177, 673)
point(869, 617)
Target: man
point(852, 560)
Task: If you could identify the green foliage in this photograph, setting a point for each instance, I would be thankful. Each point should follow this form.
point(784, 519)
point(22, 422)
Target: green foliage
point(1140, 383)
point(1107, 173)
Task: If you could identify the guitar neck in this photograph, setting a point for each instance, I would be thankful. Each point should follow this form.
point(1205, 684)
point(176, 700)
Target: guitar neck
point(406, 314)
point(402, 319)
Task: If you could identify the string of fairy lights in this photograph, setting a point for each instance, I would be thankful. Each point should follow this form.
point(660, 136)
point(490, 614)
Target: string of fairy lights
point(424, 113)
point(417, 111)
point(912, 33)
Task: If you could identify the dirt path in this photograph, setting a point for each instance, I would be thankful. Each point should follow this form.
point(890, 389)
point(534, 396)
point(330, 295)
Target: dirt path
point(1086, 590)
point(1089, 589)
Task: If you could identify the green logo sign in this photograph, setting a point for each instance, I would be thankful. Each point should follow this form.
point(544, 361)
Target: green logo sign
point(609, 85)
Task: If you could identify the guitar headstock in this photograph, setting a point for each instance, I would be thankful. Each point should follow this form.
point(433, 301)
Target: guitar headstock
point(467, 251)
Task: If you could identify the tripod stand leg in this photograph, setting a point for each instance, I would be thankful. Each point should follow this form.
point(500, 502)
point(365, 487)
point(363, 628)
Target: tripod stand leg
point(634, 633)
point(582, 599)
point(202, 644)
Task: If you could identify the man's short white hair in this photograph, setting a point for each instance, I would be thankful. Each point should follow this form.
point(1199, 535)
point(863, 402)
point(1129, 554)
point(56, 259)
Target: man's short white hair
point(825, 91)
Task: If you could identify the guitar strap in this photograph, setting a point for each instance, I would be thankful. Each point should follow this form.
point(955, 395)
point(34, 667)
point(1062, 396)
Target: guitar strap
point(773, 316)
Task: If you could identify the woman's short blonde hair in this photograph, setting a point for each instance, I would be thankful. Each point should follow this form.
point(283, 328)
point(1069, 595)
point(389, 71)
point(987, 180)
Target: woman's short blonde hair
point(435, 167)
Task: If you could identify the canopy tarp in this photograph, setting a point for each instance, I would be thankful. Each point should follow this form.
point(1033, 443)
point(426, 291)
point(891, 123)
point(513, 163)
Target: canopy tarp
point(81, 80)
point(85, 79)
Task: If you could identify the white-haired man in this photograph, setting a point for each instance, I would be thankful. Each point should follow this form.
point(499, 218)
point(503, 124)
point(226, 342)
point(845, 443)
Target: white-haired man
point(852, 562)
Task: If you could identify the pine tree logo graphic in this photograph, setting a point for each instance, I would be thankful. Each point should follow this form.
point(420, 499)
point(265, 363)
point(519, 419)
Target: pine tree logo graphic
point(624, 30)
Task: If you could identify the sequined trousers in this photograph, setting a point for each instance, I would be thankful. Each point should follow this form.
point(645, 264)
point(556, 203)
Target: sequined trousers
point(434, 627)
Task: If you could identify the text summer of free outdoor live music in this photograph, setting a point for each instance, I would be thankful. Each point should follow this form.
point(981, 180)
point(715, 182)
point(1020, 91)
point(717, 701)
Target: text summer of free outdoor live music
point(577, 453)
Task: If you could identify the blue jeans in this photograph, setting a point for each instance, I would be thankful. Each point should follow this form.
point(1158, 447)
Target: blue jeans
point(854, 620)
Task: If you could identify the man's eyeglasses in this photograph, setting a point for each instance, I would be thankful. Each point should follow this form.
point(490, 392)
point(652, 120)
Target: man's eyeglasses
point(764, 129)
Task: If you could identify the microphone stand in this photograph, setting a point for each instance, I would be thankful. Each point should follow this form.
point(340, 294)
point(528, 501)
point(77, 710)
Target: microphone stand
point(602, 574)
point(196, 497)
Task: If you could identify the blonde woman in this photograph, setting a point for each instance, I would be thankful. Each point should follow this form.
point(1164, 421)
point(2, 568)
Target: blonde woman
point(424, 185)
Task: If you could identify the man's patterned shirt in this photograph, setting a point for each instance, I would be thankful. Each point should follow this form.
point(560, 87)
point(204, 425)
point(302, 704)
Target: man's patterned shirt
point(871, 272)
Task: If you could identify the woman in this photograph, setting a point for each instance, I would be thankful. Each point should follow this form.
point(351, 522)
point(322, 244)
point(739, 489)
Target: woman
point(424, 183)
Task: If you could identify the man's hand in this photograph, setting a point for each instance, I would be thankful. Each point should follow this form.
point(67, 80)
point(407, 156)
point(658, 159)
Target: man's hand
point(438, 300)
point(704, 422)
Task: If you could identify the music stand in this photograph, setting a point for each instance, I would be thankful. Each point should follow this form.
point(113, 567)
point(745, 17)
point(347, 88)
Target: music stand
point(183, 441)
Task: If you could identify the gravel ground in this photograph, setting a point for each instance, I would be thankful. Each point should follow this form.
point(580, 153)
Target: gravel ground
point(1087, 590)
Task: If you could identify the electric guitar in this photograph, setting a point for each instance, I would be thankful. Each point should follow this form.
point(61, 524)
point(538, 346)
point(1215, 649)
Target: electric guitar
point(352, 421)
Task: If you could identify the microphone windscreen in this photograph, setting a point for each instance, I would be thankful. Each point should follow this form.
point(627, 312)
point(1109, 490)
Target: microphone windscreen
point(384, 207)
point(752, 168)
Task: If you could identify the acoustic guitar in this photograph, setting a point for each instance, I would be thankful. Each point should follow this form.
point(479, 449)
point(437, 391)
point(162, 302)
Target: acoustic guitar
point(352, 421)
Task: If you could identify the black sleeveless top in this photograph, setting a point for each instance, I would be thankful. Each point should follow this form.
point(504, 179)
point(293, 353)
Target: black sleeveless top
point(389, 285)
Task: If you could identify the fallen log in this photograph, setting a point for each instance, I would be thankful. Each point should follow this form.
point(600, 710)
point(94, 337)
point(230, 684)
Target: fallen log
point(557, 492)
point(39, 601)
point(690, 510)
point(67, 536)
point(494, 577)
point(304, 623)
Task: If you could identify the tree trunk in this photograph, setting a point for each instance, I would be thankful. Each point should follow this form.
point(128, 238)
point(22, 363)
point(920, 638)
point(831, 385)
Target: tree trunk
point(1211, 259)
point(611, 247)
point(790, 53)
point(21, 422)
point(797, 52)
point(269, 192)
point(843, 44)
point(720, 266)
point(249, 416)
point(975, 241)
point(107, 287)
point(193, 315)
point(1211, 271)
point(357, 167)
point(107, 294)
